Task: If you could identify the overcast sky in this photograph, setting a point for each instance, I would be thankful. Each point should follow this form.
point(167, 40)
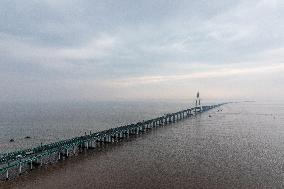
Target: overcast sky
point(54, 50)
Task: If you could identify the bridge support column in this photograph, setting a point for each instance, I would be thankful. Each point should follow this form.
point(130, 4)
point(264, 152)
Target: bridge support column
point(74, 150)
point(7, 174)
point(20, 168)
point(31, 164)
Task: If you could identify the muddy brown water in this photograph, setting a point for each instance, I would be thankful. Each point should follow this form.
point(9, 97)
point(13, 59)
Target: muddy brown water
point(241, 146)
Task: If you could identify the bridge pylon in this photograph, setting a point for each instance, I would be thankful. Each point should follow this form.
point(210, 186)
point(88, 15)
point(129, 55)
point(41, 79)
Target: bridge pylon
point(198, 106)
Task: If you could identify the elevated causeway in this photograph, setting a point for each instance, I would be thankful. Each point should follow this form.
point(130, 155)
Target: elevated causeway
point(15, 163)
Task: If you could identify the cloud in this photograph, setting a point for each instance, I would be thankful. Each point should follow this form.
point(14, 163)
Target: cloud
point(97, 47)
point(155, 45)
point(226, 71)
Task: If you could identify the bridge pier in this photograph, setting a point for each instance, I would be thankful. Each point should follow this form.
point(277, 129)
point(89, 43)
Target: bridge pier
point(112, 138)
point(74, 149)
point(20, 168)
point(31, 165)
point(7, 174)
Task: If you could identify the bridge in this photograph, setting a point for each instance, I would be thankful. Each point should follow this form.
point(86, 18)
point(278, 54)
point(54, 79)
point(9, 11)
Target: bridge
point(15, 163)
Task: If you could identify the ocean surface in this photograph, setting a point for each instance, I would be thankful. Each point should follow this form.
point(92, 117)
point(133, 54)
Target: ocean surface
point(241, 146)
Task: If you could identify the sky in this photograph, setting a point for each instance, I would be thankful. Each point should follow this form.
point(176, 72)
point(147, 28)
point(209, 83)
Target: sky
point(83, 50)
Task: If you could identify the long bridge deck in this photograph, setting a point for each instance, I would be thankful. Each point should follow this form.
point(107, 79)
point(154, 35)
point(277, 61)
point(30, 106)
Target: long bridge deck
point(15, 162)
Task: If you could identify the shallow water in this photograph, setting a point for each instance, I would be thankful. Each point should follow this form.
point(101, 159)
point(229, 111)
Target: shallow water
point(241, 146)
